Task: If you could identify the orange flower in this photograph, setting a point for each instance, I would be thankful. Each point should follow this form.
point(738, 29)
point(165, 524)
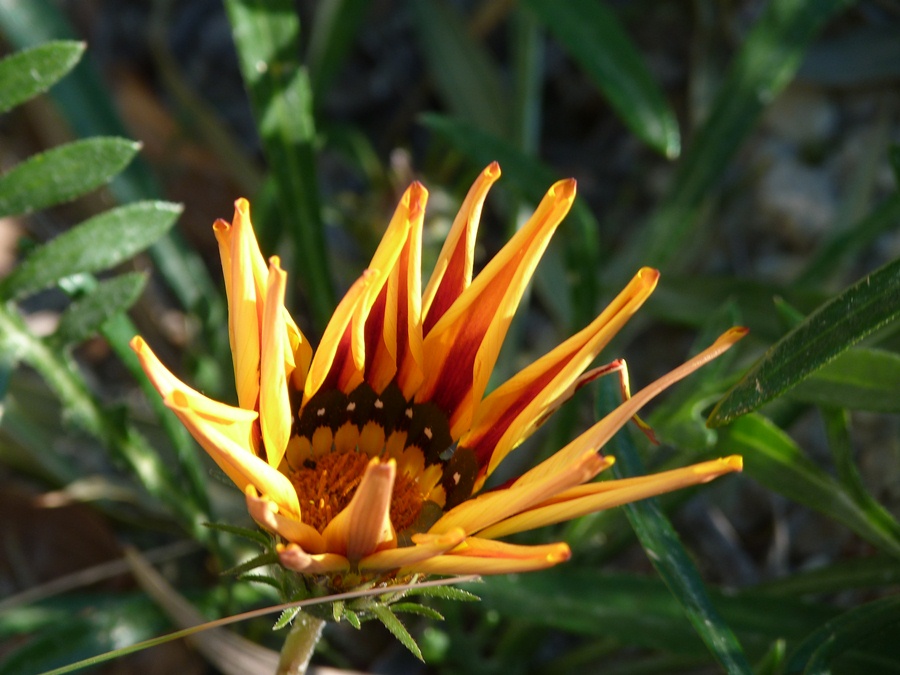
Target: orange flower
point(368, 457)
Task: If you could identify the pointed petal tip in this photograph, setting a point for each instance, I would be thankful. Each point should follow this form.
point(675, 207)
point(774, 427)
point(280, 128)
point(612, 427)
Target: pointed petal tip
point(137, 344)
point(733, 463)
point(492, 171)
point(648, 275)
point(242, 205)
point(560, 555)
point(564, 190)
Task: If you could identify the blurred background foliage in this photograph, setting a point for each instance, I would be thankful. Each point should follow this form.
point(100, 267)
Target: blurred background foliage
point(747, 149)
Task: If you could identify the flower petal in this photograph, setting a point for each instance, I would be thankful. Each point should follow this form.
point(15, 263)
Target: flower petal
point(597, 436)
point(227, 434)
point(486, 509)
point(584, 499)
point(394, 326)
point(275, 416)
point(295, 558)
point(266, 513)
point(516, 408)
point(483, 556)
point(453, 271)
point(462, 348)
point(364, 526)
point(426, 546)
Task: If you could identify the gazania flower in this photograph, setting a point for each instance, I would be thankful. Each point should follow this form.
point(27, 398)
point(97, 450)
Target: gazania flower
point(369, 456)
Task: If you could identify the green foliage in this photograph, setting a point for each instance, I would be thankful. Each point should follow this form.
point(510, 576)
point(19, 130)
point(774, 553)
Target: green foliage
point(33, 71)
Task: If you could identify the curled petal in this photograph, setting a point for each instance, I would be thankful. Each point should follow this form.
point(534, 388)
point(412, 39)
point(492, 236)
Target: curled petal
point(426, 546)
point(226, 433)
point(266, 513)
point(597, 436)
point(486, 509)
point(512, 412)
point(462, 347)
point(364, 526)
point(584, 499)
point(275, 416)
point(453, 271)
point(483, 556)
point(295, 558)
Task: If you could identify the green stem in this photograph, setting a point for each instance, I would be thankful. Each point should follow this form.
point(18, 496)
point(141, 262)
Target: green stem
point(300, 644)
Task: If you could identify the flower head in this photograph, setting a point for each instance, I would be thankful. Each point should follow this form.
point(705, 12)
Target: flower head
point(369, 456)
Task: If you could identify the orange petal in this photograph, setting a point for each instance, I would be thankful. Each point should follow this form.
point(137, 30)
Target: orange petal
point(226, 433)
point(364, 526)
point(295, 558)
point(393, 327)
point(462, 348)
point(482, 556)
point(453, 271)
point(486, 509)
point(266, 513)
point(275, 417)
point(514, 410)
point(592, 497)
point(597, 436)
point(426, 546)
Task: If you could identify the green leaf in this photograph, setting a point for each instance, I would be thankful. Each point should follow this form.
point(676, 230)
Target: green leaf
point(766, 63)
point(335, 24)
point(286, 617)
point(30, 72)
point(858, 379)
point(668, 556)
point(255, 536)
point(873, 572)
point(591, 33)
point(63, 173)
point(466, 76)
point(641, 611)
point(86, 315)
point(851, 630)
point(841, 322)
point(397, 629)
point(96, 244)
point(773, 459)
point(267, 37)
point(416, 608)
point(267, 558)
point(444, 592)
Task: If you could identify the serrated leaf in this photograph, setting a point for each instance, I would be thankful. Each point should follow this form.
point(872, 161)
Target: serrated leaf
point(352, 618)
point(63, 173)
point(444, 592)
point(85, 316)
point(833, 328)
point(592, 35)
point(286, 617)
point(96, 244)
point(397, 629)
point(27, 73)
point(416, 608)
point(260, 579)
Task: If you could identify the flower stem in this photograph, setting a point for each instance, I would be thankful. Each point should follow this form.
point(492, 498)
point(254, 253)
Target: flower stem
point(300, 644)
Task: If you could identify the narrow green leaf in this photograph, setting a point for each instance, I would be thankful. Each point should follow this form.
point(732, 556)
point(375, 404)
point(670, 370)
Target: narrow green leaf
point(668, 556)
point(352, 618)
point(416, 608)
point(85, 316)
point(96, 244)
point(871, 573)
point(589, 602)
point(766, 63)
point(27, 73)
point(286, 617)
point(63, 173)
point(267, 558)
point(851, 630)
point(841, 322)
point(858, 379)
point(592, 34)
point(267, 37)
point(255, 536)
point(335, 24)
point(466, 76)
point(445, 592)
point(397, 629)
point(773, 459)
